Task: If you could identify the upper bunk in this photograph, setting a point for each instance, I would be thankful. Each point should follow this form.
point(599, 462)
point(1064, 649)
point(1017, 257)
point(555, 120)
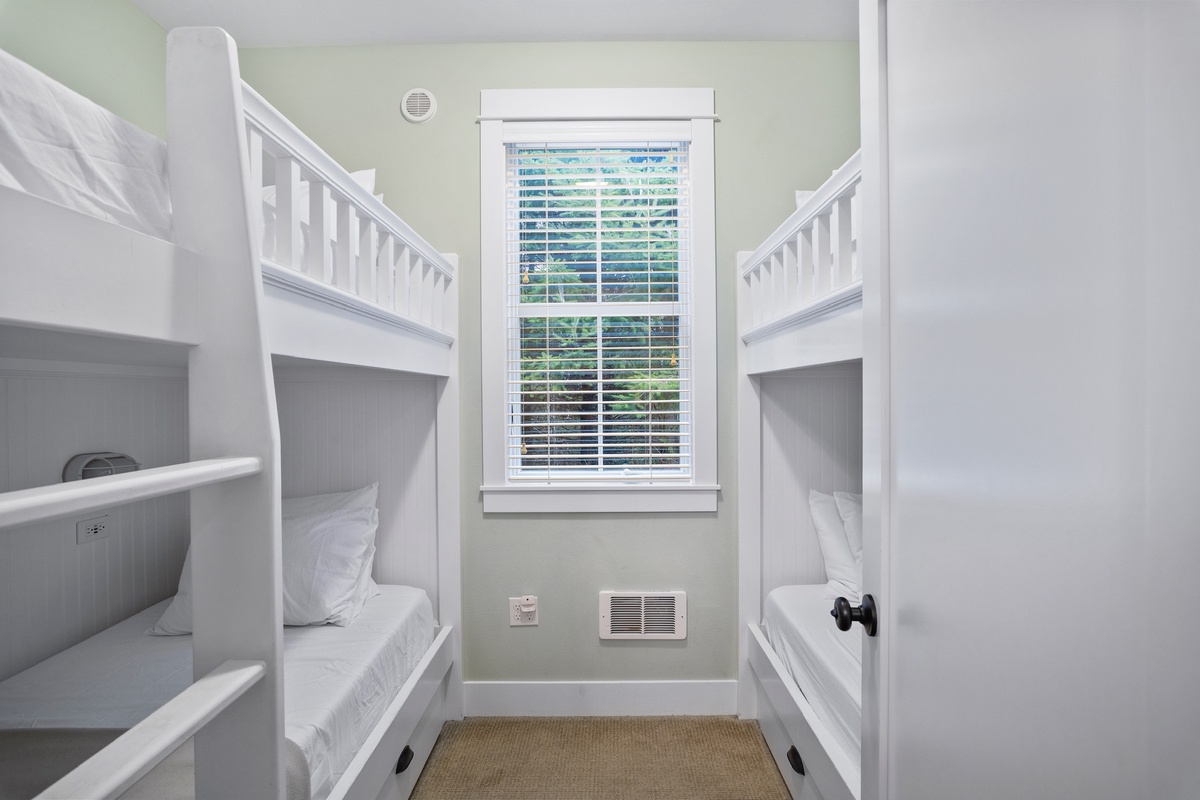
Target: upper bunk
point(91, 258)
point(800, 291)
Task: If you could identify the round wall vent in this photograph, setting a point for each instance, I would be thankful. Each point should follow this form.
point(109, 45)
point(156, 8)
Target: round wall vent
point(418, 105)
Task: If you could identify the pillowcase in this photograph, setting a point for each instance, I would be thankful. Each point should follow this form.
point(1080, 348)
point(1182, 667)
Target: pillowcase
point(324, 564)
point(840, 565)
point(365, 497)
point(849, 507)
point(177, 619)
point(322, 560)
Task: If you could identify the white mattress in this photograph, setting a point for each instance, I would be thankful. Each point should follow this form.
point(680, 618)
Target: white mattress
point(59, 145)
point(337, 681)
point(825, 663)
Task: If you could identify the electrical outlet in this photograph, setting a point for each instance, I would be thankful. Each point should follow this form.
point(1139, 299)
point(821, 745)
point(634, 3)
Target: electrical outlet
point(522, 610)
point(89, 530)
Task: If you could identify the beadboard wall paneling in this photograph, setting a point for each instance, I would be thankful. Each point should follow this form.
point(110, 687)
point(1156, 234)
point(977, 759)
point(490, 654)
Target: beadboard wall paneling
point(55, 592)
point(811, 439)
point(343, 428)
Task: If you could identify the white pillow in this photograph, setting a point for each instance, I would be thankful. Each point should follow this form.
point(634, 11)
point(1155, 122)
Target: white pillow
point(322, 559)
point(365, 497)
point(326, 571)
point(849, 507)
point(365, 588)
point(840, 566)
point(177, 619)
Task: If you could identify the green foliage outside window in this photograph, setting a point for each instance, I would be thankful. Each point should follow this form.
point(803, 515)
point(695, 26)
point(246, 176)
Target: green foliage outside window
point(598, 226)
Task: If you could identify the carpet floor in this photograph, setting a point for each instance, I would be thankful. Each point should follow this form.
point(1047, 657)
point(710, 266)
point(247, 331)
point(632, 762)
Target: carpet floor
point(600, 758)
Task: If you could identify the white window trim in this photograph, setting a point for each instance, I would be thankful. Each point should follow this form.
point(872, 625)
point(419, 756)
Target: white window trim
point(508, 115)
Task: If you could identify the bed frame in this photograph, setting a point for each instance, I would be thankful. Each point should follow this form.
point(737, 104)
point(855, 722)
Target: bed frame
point(210, 294)
point(800, 383)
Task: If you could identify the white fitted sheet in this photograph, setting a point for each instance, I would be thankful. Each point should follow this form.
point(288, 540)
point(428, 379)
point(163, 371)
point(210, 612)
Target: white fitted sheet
point(825, 663)
point(337, 681)
point(61, 146)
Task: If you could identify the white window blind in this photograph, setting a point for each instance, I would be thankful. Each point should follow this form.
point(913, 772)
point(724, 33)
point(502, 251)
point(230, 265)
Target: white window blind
point(599, 378)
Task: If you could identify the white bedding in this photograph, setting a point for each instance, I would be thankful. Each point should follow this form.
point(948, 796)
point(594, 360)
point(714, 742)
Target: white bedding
point(59, 145)
point(825, 663)
point(337, 681)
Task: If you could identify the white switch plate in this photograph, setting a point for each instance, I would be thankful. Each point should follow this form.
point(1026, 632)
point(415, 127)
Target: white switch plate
point(522, 610)
point(89, 530)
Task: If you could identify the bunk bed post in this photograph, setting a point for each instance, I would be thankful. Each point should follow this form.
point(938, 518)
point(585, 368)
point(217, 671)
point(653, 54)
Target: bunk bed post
point(806, 266)
point(841, 266)
point(318, 261)
point(791, 271)
point(449, 482)
point(823, 253)
point(403, 278)
point(235, 530)
point(386, 278)
point(288, 236)
point(749, 508)
point(368, 252)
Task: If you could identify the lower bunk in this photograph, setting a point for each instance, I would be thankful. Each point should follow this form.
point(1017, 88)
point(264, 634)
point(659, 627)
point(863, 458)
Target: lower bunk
point(362, 703)
point(808, 680)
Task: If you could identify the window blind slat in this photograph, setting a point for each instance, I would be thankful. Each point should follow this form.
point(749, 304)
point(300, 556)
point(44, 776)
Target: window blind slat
point(599, 374)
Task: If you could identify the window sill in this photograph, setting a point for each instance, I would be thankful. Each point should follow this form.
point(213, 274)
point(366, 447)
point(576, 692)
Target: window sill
point(593, 499)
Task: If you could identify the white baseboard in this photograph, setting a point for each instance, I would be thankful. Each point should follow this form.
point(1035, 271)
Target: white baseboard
point(599, 698)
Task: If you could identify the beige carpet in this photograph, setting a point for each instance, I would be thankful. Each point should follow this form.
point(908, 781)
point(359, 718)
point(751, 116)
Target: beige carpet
point(600, 758)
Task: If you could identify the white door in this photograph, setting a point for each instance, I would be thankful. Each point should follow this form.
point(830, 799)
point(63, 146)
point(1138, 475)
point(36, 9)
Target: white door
point(1037, 445)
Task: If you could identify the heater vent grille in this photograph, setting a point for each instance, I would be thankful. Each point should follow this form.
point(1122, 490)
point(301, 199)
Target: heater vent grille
point(643, 615)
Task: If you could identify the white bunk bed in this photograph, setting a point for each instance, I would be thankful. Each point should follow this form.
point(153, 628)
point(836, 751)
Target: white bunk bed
point(368, 302)
point(800, 322)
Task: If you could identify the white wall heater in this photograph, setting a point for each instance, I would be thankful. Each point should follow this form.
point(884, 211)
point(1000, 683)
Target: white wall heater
point(643, 615)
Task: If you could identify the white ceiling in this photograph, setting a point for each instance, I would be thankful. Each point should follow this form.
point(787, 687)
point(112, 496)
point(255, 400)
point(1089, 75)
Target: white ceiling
point(283, 23)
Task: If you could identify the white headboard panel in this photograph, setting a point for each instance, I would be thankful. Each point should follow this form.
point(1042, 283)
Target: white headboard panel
point(811, 439)
point(345, 427)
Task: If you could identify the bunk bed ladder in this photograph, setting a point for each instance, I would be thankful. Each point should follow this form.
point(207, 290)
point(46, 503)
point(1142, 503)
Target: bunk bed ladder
point(119, 765)
point(234, 710)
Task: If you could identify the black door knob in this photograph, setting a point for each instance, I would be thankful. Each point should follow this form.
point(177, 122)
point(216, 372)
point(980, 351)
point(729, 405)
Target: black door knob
point(846, 614)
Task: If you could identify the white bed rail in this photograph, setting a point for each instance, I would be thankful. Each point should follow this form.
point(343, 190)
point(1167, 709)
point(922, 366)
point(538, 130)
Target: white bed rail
point(43, 503)
point(141, 748)
point(809, 265)
point(354, 242)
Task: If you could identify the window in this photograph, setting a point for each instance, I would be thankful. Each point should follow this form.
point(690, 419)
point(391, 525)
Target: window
point(598, 300)
point(598, 380)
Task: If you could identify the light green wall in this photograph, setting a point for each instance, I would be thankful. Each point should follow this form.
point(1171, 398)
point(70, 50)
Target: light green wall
point(107, 50)
point(788, 115)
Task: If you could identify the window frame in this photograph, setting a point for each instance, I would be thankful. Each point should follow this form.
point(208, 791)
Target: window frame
point(596, 115)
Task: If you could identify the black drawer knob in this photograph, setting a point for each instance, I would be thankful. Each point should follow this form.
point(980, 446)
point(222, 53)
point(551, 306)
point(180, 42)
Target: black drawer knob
point(406, 757)
point(794, 759)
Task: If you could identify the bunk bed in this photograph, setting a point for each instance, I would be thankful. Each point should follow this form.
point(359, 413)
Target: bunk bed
point(128, 266)
point(800, 350)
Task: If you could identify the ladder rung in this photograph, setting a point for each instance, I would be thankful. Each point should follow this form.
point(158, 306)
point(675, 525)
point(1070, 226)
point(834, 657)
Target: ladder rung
point(137, 751)
point(59, 500)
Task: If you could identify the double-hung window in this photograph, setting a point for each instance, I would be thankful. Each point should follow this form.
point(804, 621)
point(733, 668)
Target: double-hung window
point(598, 300)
